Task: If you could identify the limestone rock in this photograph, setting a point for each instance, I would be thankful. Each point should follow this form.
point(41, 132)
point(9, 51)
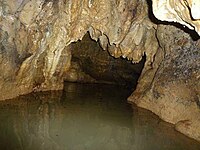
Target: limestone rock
point(173, 93)
point(36, 33)
point(185, 12)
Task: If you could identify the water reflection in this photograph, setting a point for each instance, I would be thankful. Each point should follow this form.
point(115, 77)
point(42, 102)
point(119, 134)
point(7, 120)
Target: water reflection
point(84, 117)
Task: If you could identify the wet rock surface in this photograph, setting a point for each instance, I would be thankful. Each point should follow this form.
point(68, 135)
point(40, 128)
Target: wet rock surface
point(35, 54)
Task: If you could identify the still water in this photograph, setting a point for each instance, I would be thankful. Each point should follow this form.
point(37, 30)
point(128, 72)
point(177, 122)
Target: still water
point(84, 117)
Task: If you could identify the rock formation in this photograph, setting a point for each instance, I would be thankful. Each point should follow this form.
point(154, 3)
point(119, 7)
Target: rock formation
point(185, 12)
point(35, 52)
point(35, 37)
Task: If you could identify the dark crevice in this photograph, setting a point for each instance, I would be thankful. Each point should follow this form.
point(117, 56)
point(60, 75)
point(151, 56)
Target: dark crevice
point(91, 59)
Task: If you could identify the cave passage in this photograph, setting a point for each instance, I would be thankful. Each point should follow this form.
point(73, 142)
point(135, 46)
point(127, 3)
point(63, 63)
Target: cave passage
point(84, 116)
point(87, 115)
point(103, 54)
point(91, 64)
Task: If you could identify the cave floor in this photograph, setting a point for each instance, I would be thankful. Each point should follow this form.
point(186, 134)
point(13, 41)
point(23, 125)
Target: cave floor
point(85, 117)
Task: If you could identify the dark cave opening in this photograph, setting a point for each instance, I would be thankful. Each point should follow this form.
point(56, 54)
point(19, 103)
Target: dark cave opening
point(91, 64)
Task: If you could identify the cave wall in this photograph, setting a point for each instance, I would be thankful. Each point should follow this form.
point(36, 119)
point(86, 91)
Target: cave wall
point(35, 54)
point(174, 92)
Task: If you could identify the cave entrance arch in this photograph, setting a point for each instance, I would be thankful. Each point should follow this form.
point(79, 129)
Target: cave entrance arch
point(91, 64)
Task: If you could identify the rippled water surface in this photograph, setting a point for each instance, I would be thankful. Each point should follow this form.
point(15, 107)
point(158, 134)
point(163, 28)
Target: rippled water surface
point(84, 117)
